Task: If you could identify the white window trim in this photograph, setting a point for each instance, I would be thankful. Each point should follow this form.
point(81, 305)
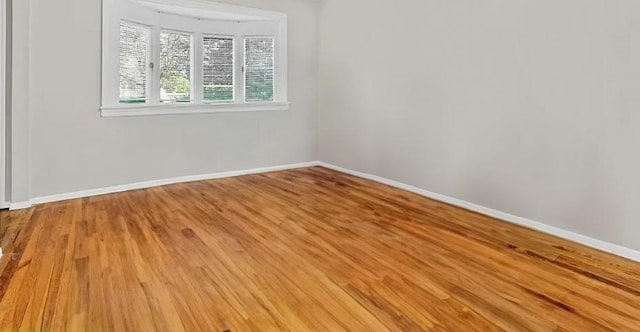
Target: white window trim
point(115, 11)
point(166, 109)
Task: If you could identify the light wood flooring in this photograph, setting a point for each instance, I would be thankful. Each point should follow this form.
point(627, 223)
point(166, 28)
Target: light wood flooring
point(300, 250)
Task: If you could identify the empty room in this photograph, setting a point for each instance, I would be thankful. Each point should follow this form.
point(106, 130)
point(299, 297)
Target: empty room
point(319, 165)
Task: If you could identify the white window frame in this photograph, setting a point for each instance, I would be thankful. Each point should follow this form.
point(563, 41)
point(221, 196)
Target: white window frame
point(180, 16)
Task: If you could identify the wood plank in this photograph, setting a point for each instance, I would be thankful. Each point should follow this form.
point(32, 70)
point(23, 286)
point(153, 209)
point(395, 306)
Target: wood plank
point(300, 250)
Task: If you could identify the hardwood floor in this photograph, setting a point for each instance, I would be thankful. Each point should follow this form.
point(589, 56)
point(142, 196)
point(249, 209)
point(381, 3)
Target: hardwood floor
point(11, 224)
point(300, 250)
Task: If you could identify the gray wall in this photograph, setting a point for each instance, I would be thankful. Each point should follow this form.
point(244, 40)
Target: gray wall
point(61, 144)
point(527, 107)
point(19, 112)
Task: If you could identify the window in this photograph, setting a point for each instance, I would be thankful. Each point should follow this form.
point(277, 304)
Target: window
point(218, 69)
point(258, 55)
point(175, 66)
point(134, 41)
point(191, 57)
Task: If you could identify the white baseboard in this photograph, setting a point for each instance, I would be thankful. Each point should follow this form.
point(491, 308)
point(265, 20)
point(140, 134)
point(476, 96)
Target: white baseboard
point(20, 205)
point(154, 183)
point(582, 239)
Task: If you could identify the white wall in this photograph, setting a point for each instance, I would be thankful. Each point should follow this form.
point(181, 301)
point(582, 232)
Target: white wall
point(61, 144)
point(529, 107)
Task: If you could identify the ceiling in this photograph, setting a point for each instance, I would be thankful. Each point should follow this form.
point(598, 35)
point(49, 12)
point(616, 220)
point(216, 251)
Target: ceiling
point(208, 10)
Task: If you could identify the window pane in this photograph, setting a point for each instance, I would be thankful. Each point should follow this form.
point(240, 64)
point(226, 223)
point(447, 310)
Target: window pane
point(217, 69)
point(175, 67)
point(259, 69)
point(133, 63)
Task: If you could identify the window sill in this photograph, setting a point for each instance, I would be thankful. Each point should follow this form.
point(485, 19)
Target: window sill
point(169, 109)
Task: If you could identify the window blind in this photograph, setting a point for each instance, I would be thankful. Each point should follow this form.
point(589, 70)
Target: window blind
point(259, 68)
point(134, 41)
point(175, 66)
point(217, 69)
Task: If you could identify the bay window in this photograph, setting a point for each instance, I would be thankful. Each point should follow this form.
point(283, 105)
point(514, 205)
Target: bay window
point(184, 56)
